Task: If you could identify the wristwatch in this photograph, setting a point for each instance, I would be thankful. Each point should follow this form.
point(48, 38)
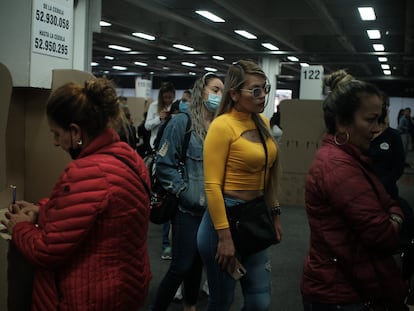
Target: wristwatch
point(276, 210)
point(397, 219)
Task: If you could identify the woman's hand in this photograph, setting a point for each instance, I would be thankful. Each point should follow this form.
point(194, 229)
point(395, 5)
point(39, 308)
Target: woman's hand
point(164, 114)
point(278, 227)
point(19, 212)
point(225, 250)
point(28, 207)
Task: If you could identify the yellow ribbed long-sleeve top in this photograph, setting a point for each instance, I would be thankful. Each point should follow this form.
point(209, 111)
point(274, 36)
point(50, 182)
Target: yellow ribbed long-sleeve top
point(232, 162)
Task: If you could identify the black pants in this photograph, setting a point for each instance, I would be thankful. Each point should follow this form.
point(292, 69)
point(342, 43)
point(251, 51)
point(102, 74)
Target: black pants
point(19, 281)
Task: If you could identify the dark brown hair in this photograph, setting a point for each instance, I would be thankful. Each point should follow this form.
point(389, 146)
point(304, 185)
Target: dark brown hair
point(93, 106)
point(344, 98)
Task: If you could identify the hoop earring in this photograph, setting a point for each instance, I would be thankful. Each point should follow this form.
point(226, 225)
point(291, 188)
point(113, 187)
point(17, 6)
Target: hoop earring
point(343, 136)
point(80, 142)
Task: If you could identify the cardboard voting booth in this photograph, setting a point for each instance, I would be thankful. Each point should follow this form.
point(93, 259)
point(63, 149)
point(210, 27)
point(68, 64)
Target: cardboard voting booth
point(303, 128)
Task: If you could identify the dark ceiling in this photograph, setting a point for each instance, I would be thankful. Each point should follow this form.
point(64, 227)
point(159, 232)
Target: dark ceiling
point(318, 32)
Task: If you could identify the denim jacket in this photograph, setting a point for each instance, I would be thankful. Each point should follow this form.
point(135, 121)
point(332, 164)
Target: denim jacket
point(186, 182)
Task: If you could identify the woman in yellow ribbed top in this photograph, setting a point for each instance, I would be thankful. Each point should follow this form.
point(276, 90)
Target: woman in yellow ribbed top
point(234, 171)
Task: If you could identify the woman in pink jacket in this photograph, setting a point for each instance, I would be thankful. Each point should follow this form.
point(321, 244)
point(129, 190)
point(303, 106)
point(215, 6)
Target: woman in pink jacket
point(88, 242)
point(353, 221)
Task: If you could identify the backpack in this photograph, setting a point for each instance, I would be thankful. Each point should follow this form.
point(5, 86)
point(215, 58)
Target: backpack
point(164, 203)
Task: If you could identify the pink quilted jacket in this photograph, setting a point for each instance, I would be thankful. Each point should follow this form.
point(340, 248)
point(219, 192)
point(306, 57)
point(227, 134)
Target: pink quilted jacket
point(89, 246)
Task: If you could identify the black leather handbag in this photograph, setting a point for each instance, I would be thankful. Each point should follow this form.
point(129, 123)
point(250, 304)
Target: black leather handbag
point(251, 226)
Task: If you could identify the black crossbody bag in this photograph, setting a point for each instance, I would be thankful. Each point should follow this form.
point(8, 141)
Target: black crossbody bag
point(251, 223)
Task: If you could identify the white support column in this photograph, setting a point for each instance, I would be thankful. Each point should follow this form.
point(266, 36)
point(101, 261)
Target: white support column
point(270, 66)
point(86, 16)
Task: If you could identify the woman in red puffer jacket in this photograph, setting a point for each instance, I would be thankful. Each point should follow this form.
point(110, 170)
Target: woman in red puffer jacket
point(88, 242)
point(353, 222)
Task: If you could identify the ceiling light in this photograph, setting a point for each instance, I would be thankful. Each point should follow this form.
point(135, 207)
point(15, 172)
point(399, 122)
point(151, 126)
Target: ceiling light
point(270, 46)
point(293, 58)
point(192, 73)
point(378, 47)
point(382, 59)
point(140, 64)
point(183, 47)
point(119, 67)
point(94, 64)
point(304, 64)
point(143, 36)
point(245, 34)
point(188, 64)
point(374, 34)
point(104, 24)
point(385, 66)
point(106, 71)
point(161, 57)
point(367, 13)
point(210, 69)
point(216, 57)
point(119, 48)
point(387, 72)
point(210, 16)
point(166, 68)
point(109, 57)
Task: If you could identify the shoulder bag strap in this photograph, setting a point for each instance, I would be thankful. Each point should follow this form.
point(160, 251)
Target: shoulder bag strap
point(186, 140)
point(265, 150)
point(133, 169)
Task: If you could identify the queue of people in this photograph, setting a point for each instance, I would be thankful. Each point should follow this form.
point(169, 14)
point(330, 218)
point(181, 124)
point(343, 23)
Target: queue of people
point(88, 240)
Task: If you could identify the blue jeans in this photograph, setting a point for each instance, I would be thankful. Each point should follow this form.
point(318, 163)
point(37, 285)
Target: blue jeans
point(256, 284)
point(186, 265)
point(308, 306)
point(166, 235)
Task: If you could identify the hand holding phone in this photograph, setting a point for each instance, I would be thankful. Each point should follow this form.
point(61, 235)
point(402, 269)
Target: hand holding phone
point(238, 272)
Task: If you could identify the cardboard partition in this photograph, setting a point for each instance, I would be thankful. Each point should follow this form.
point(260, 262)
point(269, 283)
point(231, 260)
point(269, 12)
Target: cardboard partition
point(46, 162)
point(6, 85)
point(303, 128)
point(297, 154)
point(302, 119)
point(63, 76)
point(137, 106)
point(292, 189)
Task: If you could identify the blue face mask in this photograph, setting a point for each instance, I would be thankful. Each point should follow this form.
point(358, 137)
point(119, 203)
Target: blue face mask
point(212, 102)
point(183, 106)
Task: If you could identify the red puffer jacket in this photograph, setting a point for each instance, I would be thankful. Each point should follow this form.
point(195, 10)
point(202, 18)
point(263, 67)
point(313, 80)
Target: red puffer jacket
point(352, 239)
point(89, 246)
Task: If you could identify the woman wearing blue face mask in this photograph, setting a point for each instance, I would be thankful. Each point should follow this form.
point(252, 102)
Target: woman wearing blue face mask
point(186, 264)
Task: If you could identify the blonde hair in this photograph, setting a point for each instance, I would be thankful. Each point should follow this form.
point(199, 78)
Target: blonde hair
point(197, 103)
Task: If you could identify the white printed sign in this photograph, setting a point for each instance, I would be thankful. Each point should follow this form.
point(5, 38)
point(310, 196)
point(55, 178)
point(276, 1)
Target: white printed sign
point(52, 28)
point(143, 88)
point(311, 82)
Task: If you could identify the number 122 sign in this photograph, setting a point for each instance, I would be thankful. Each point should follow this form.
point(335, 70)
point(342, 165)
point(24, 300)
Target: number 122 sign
point(311, 82)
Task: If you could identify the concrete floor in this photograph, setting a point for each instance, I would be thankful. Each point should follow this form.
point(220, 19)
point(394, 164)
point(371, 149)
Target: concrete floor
point(287, 257)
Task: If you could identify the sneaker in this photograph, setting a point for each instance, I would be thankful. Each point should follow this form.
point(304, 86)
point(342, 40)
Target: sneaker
point(178, 295)
point(166, 253)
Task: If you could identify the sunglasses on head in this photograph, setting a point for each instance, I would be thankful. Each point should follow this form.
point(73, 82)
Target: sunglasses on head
point(257, 91)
